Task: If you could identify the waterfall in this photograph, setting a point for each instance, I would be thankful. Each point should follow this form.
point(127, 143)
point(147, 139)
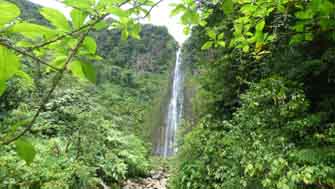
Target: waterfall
point(174, 112)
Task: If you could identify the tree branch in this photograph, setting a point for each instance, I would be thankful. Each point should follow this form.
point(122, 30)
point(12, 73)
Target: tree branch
point(7, 44)
point(150, 10)
point(68, 33)
point(57, 80)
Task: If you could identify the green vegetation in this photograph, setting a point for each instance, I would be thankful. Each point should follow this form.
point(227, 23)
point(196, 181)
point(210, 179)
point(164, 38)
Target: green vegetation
point(266, 99)
point(74, 106)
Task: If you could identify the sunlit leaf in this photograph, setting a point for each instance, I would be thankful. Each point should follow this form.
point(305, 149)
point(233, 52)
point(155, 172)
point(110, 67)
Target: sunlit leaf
point(78, 18)
point(89, 72)
point(101, 25)
point(207, 45)
point(9, 64)
point(9, 12)
point(56, 18)
point(83, 71)
point(228, 6)
point(260, 25)
point(222, 43)
point(90, 45)
point(25, 150)
point(118, 12)
point(33, 31)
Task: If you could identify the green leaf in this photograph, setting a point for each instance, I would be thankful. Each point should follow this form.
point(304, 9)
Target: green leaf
point(90, 44)
point(178, 9)
point(190, 17)
point(305, 15)
point(33, 31)
point(83, 71)
point(228, 6)
point(245, 48)
point(316, 4)
point(25, 150)
point(186, 30)
point(2, 87)
point(78, 18)
point(134, 31)
point(101, 25)
point(222, 43)
point(76, 69)
point(9, 64)
point(211, 34)
point(82, 4)
point(9, 12)
point(89, 72)
point(220, 36)
point(309, 36)
point(56, 18)
point(207, 45)
point(260, 25)
point(124, 34)
point(296, 39)
point(116, 11)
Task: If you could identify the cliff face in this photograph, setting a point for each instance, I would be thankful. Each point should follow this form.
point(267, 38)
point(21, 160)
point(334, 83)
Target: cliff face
point(154, 52)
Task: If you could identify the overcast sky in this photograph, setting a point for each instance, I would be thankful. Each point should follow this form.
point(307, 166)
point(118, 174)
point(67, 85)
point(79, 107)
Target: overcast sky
point(159, 16)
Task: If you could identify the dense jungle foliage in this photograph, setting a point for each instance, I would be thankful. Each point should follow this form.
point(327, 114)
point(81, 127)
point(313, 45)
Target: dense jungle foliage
point(76, 96)
point(265, 101)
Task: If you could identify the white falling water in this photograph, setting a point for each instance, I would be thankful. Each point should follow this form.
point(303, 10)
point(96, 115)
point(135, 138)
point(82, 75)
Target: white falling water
point(174, 113)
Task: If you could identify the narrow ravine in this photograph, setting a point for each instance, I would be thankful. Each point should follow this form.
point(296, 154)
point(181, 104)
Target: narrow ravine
point(166, 145)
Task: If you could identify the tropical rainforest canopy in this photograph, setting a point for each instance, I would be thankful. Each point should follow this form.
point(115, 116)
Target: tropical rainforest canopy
point(81, 97)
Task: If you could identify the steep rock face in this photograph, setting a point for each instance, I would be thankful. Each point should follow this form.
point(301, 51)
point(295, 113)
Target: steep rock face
point(154, 52)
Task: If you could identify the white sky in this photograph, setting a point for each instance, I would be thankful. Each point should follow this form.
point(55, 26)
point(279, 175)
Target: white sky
point(159, 16)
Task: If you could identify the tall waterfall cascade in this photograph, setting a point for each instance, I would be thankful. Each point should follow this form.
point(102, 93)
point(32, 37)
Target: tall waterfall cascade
point(175, 109)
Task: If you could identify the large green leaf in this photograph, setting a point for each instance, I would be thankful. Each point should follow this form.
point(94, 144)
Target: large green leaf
point(90, 45)
point(33, 31)
point(228, 6)
point(83, 71)
point(118, 12)
point(56, 18)
point(78, 18)
point(9, 64)
point(260, 25)
point(82, 4)
point(9, 11)
point(207, 45)
point(89, 72)
point(25, 150)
